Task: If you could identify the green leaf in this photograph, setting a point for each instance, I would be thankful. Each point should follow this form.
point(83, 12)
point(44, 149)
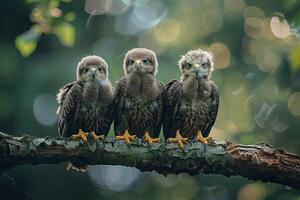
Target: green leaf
point(53, 3)
point(65, 33)
point(294, 58)
point(70, 16)
point(26, 43)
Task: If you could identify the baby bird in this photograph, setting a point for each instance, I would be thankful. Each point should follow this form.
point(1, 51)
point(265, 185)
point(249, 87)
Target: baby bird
point(138, 98)
point(191, 104)
point(85, 105)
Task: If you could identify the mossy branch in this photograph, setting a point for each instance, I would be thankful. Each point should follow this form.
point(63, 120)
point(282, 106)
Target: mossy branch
point(257, 162)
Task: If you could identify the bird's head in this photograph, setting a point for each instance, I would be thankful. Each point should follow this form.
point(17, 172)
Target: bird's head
point(196, 63)
point(140, 61)
point(92, 68)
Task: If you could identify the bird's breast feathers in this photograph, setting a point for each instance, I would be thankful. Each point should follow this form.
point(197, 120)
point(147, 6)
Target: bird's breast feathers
point(195, 112)
point(138, 103)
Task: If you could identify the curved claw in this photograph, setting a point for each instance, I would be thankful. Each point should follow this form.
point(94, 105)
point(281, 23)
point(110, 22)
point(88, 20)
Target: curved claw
point(179, 139)
point(202, 139)
point(147, 138)
point(80, 135)
point(126, 137)
point(97, 137)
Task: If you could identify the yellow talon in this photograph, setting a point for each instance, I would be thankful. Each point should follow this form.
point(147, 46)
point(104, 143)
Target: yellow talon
point(127, 137)
point(202, 139)
point(149, 139)
point(97, 137)
point(80, 135)
point(179, 139)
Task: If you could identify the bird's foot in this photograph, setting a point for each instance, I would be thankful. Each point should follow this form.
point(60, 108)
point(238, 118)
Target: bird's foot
point(97, 137)
point(81, 135)
point(181, 141)
point(126, 137)
point(202, 139)
point(147, 138)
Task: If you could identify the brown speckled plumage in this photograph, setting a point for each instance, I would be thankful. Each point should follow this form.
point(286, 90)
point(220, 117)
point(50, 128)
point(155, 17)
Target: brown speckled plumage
point(191, 104)
point(86, 103)
point(138, 97)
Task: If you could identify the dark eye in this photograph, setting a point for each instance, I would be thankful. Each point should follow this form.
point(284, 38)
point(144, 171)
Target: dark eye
point(100, 69)
point(130, 61)
point(146, 61)
point(188, 65)
point(85, 70)
point(204, 65)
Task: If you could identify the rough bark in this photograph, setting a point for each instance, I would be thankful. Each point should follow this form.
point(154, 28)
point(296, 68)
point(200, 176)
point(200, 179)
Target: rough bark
point(257, 162)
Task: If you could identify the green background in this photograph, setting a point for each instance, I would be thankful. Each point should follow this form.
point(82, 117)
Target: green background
point(257, 59)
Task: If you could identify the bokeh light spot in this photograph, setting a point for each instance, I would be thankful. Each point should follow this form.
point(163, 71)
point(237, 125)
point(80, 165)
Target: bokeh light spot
point(294, 104)
point(280, 27)
point(256, 48)
point(271, 59)
point(44, 109)
point(56, 12)
point(235, 5)
point(266, 28)
point(253, 27)
point(268, 61)
point(221, 55)
point(252, 11)
point(95, 7)
point(167, 31)
point(254, 191)
point(115, 7)
point(143, 17)
point(114, 178)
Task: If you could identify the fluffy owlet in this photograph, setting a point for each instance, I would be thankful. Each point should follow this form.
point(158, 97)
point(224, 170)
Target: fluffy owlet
point(191, 104)
point(85, 105)
point(138, 98)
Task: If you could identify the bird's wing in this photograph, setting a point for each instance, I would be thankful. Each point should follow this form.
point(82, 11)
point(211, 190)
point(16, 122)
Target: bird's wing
point(105, 120)
point(118, 106)
point(106, 117)
point(172, 95)
point(213, 110)
point(160, 110)
point(69, 99)
point(62, 94)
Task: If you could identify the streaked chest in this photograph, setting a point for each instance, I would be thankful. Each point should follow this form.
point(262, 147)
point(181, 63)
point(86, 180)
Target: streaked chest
point(140, 107)
point(194, 109)
point(90, 94)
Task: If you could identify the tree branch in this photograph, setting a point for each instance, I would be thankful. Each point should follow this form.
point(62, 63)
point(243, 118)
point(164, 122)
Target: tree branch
point(257, 162)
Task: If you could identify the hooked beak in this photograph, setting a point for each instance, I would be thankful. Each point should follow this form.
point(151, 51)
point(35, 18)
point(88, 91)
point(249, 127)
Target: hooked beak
point(199, 71)
point(93, 70)
point(137, 65)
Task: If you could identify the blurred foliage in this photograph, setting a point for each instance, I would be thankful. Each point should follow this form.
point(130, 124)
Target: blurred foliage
point(294, 57)
point(47, 18)
point(256, 51)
